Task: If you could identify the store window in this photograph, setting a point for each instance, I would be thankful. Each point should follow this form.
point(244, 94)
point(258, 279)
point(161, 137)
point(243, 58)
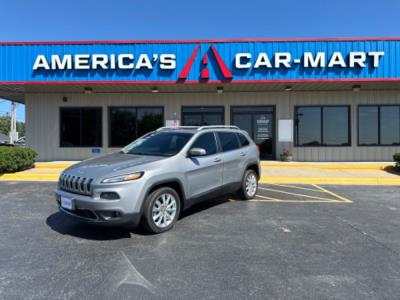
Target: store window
point(322, 126)
point(202, 115)
point(379, 125)
point(80, 127)
point(128, 123)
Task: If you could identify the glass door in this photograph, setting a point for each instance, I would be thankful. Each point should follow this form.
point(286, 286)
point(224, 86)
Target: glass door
point(259, 122)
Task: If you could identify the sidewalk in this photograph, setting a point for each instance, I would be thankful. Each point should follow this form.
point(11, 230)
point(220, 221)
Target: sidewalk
point(351, 173)
point(368, 173)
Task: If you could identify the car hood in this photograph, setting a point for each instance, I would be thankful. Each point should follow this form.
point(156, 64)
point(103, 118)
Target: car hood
point(109, 163)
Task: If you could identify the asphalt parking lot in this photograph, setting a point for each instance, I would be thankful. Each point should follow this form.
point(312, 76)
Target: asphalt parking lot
point(292, 242)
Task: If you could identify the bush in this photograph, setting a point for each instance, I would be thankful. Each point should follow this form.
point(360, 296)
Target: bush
point(14, 159)
point(396, 158)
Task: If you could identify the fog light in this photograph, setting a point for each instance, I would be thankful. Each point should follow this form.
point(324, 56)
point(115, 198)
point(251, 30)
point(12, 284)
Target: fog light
point(107, 215)
point(109, 196)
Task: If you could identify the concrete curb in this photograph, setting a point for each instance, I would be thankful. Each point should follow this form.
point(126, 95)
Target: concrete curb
point(51, 166)
point(327, 181)
point(264, 179)
point(29, 177)
point(328, 166)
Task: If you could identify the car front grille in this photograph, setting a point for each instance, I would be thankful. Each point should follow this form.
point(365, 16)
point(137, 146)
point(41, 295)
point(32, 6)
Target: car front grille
point(75, 184)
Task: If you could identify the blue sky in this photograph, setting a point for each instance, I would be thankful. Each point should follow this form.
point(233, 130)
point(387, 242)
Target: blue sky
point(41, 20)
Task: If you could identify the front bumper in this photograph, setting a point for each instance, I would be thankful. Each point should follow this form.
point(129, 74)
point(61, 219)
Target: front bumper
point(94, 210)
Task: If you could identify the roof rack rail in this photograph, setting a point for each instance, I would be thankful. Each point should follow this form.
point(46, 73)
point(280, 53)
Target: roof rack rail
point(198, 128)
point(218, 127)
point(177, 127)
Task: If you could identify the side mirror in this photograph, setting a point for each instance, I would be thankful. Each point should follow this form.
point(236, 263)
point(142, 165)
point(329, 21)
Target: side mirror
point(197, 152)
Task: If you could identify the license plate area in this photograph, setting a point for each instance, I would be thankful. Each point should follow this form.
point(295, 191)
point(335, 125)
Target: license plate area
point(67, 203)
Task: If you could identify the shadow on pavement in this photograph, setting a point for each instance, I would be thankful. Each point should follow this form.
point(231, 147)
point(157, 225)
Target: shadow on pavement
point(68, 226)
point(205, 205)
point(64, 225)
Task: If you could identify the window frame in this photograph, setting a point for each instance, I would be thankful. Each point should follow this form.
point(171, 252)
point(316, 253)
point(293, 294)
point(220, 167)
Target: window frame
point(136, 120)
point(295, 142)
point(80, 125)
point(379, 124)
point(203, 113)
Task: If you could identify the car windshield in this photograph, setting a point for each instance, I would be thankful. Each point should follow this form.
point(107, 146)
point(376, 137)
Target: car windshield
point(158, 143)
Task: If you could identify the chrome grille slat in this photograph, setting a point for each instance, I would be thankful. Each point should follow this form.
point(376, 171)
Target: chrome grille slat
point(76, 184)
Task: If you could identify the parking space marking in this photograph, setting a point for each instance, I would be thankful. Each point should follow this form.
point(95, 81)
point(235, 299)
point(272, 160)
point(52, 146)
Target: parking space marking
point(309, 198)
point(333, 194)
point(295, 187)
point(296, 194)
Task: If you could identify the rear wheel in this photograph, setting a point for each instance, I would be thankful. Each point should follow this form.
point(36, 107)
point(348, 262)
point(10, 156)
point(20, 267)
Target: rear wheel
point(249, 185)
point(161, 210)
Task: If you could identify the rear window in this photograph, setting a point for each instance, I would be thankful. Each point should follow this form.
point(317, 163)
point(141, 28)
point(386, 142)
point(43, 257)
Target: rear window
point(228, 141)
point(243, 140)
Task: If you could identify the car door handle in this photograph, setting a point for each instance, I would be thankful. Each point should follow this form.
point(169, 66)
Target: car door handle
point(217, 159)
point(242, 154)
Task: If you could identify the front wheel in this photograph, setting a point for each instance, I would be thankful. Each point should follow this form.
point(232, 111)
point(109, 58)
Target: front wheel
point(161, 210)
point(249, 185)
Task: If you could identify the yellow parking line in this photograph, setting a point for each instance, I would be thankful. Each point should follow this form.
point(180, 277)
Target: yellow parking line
point(269, 198)
point(295, 201)
point(294, 194)
point(333, 194)
point(295, 187)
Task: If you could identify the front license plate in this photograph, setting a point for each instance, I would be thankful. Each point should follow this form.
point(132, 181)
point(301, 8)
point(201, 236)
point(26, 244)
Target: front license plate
point(66, 203)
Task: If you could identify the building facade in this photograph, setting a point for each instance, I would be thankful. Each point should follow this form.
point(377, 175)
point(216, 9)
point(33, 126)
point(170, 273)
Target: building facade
point(324, 99)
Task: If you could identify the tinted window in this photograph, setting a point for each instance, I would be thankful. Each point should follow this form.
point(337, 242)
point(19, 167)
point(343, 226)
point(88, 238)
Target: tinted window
point(335, 126)
point(122, 126)
point(243, 140)
point(308, 126)
point(80, 127)
point(129, 123)
point(158, 144)
point(368, 125)
point(228, 141)
point(207, 142)
point(202, 115)
point(322, 126)
point(390, 125)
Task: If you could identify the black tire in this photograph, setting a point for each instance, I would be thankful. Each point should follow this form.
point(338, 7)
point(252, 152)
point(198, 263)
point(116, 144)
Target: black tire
point(243, 192)
point(148, 220)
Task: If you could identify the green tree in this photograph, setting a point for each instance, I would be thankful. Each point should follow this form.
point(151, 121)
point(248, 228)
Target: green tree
point(5, 125)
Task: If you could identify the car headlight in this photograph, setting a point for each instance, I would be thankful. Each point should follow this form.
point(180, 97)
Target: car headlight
point(123, 178)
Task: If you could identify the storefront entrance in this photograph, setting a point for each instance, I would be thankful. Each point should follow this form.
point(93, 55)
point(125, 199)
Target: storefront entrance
point(259, 122)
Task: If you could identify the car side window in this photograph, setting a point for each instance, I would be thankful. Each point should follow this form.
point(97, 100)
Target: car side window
point(228, 141)
point(243, 140)
point(207, 142)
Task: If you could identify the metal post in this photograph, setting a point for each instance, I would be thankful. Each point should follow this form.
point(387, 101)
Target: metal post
point(13, 129)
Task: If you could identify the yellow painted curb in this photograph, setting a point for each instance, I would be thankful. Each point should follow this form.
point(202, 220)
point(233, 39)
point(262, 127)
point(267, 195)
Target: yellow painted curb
point(327, 166)
point(29, 177)
point(317, 180)
point(52, 166)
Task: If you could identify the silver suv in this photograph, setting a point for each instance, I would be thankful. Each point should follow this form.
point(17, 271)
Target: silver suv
point(158, 175)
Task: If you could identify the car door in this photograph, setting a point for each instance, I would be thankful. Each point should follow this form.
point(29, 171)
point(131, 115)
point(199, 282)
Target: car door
point(204, 173)
point(232, 156)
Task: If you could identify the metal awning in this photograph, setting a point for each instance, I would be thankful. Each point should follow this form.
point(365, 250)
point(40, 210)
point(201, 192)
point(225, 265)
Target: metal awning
point(16, 92)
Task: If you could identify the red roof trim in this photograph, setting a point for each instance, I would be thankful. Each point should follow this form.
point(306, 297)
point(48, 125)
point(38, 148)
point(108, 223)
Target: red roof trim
point(94, 82)
point(95, 42)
